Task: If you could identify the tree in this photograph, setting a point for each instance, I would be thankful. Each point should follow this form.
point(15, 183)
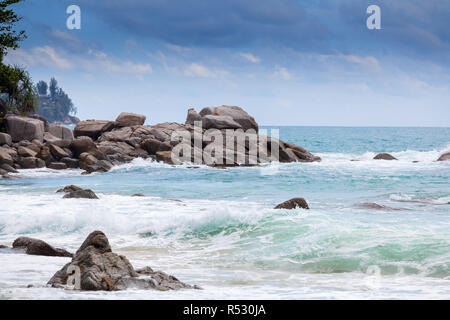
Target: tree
point(53, 87)
point(9, 38)
point(16, 83)
point(42, 87)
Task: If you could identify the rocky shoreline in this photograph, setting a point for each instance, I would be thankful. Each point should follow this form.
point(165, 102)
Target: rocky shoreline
point(98, 145)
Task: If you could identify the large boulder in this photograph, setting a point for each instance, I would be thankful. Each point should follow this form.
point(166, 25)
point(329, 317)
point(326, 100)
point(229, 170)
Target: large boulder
point(81, 145)
point(219, 122)
point(192, 116)
point(38, 247)
point(5, 157)
point(126, 119)
point(384, 156)
point(293, 204)
point(60, 132)
point(58, 152)
point(26, 152)
point(101, 269)
point(25, 128)
point(92, 128)
point(5, 139)
point(444, 157)
point(236, 113)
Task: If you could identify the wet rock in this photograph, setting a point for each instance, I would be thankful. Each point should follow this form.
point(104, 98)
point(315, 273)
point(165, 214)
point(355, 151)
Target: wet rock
point(5, 139)
point(8, 168)
point(376, 206)
point(25, 128)
point(384, 156)
point(126, 119)
point(444, 157)
point(38, 247)
point(70, 188)
point(45, 155)
point(70, 162)
point(164, 156)
point(293, 204)
point(81, 194)
point(3, 247)
point(28, 163)
point(92, 128)
point(138, 195)
point(57, 166)
point(102, 269)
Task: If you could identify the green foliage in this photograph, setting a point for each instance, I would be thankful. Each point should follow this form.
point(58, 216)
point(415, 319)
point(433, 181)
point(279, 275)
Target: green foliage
point(56, 106)
point(42, 87)
point(17, 86)
point(9, 38)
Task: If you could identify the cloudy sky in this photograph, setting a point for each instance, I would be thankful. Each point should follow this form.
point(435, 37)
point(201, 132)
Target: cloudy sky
point(287, 62)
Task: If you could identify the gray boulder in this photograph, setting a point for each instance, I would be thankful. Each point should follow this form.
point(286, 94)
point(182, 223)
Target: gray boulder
point(219, 122)
point(92, 128)
point(81, 194)
point(384, 156)
point(102, 269)
point(293, 204)
point(24, 128)
point(444, 157)
point(192, 116)
point(5, 139)
point(126, 119)
point(38, 247)
point(236, 113)
point(60, 132)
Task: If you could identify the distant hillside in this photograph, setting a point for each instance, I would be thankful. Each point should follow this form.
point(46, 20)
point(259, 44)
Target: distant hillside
point(54, 104)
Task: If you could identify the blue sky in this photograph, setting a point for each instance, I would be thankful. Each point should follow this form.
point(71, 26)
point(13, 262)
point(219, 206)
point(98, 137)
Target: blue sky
point(287, 62)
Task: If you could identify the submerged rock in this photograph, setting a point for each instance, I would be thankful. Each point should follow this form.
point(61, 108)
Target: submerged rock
point(38, 247)
point(384, 156)
point(293, 204)
point(376, 206)
point(81, 194)
point(444, 157)
point(70, 189)
point(138, 195)
point(101, 269)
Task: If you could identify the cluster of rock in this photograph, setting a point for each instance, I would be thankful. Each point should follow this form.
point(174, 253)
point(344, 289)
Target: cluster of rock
point(101, 269)
point(75, 192)
point(97, 145)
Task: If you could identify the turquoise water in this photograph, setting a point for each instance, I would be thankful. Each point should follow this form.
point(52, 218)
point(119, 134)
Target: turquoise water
point(217, 228)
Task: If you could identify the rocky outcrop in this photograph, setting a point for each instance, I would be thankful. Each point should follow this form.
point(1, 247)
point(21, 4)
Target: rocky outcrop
point(38, 247)
point(92, 128)
point(384, 156)
point(237, 114)
point(293, 204)
point(81, 194)
point(126, 119)
point(102, 269)
point(444, 157)
point(99, 144)
point(25, 128)
point(5, 139)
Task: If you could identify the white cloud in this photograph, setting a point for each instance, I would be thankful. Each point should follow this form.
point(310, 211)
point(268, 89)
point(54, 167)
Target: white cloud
point(282, 73)
point(250, 57)
point(94, 61)
point(198, 70)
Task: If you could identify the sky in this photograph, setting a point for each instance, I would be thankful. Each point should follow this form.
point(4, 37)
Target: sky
point(286, 62)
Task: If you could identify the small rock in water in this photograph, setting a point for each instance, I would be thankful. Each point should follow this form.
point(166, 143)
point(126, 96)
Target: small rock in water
point(384, 156)
point(3, 247)
point(81, 194)
point(70, 188)
point(376, 206)
point(101, 269)
point(444, 157)
point(293, 203)
point(38, 247)
point(138, 195)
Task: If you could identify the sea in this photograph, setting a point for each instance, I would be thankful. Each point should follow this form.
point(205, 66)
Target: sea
point(217, 228)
